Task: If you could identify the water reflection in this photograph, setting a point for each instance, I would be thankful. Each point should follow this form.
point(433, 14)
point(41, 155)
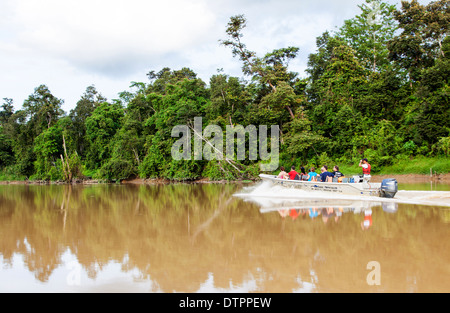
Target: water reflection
point(189, 238)
point(326, 209)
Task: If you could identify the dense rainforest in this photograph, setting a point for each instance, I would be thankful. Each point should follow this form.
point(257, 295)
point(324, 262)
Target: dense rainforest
point(376, 87)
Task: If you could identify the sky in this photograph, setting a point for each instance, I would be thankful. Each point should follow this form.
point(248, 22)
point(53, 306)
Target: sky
point(69, 45)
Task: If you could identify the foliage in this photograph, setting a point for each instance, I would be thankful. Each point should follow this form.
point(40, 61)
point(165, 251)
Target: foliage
point(6, 153)
point(376, 87)
point(117, 169)
point(101, 127)
point(443, 146)
point(368, 33)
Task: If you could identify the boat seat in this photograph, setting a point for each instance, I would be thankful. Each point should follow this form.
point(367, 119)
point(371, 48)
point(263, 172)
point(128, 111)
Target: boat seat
point(345, 180)
point(335, 179)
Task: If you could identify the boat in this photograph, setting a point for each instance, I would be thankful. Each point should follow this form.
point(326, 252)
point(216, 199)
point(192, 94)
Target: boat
point(387, 188)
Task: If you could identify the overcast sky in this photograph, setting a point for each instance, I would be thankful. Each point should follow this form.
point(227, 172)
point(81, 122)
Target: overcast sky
point(69, 45)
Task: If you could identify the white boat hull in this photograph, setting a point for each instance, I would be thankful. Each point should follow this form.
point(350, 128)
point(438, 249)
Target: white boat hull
point(365, 189)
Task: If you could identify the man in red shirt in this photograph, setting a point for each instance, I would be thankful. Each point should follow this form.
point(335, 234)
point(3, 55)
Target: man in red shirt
point(292, 173)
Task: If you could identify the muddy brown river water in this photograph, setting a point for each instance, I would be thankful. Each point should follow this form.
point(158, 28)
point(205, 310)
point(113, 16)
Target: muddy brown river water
point(201, 238)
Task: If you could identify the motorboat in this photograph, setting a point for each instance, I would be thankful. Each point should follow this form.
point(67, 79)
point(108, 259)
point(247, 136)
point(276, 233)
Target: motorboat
point(386, 189)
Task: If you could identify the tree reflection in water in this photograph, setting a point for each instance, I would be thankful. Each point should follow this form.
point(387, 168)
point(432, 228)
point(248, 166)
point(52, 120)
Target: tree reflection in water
point(198, 237)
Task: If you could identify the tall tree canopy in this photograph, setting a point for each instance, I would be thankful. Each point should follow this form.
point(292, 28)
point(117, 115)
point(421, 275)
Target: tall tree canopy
point(377, 87)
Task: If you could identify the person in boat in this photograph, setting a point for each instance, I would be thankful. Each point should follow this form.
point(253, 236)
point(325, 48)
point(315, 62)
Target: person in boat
point(364, 163)
point(336, 172)
point(303, 175)
point(293, 175)
point(325, 176)
point(283, 174)
point(312, 175)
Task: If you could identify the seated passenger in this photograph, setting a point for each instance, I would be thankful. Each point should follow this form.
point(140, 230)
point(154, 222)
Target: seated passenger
point(325, 176)
point(303, 175)
point(293, 173)
point(312, 175)
point(283, 174)
point(336, 172)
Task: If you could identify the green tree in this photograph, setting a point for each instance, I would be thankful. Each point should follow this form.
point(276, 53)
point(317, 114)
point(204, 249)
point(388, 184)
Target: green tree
point(56, 158)
point(7, 111)
point(173, 98)
point(318, 63)
point(336, 92)
point(6, 151)
point(6, 141)
point(128, 144)
point(424, 28)
point(229, 99)
point(422, 48)
point(89, 101)
point(43, 110)
point(369, 32)
point(269, 70)
point(384, 143)
point(101, 128)
point(159, 81)
point(432, 120)
point(301, 141)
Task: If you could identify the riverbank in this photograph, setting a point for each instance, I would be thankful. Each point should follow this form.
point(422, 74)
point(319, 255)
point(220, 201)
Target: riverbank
point(401, 178)
point(136, 181)
point(411, 178)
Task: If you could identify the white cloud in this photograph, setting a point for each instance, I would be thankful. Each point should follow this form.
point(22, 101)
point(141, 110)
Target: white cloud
point(77, 41)
point(110, 36)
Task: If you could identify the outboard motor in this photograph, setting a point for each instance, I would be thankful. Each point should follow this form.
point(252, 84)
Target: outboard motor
point(389, 188)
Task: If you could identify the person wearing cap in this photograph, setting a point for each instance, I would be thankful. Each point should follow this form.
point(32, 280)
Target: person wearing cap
point(364, 163)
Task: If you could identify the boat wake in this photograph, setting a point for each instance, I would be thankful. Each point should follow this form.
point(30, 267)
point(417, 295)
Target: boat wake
point(266, 192)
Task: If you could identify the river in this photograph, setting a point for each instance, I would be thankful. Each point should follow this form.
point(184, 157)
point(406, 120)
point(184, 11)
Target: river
point(204, 238)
